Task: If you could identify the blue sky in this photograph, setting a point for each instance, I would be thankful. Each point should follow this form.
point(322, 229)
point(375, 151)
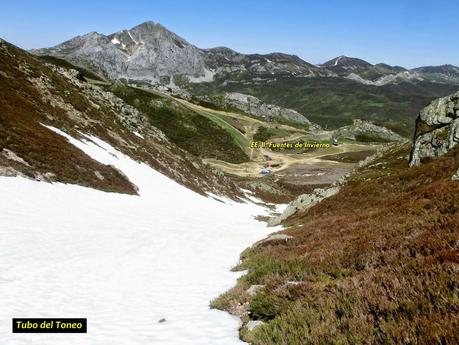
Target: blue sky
point(399, 32)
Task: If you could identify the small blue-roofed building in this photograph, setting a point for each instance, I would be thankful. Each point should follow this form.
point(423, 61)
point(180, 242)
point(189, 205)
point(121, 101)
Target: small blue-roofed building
point(265, 171)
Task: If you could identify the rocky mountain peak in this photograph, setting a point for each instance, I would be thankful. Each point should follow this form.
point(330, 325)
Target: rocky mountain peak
point(146, 33)
point(346, 61)
point(150, 31)
point(149, 25)
point(145, 52)
point(92, 35)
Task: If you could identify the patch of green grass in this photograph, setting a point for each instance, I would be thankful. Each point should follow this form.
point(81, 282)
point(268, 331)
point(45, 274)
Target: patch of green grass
point(266, 306)
point(265, 133)
point(221, 121)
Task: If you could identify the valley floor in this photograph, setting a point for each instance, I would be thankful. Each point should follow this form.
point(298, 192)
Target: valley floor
point(123, 262)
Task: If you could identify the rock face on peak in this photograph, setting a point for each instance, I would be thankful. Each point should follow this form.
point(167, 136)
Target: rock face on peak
point(366, 131)
point(146, 52)
point(93, 51)
point(437, 129)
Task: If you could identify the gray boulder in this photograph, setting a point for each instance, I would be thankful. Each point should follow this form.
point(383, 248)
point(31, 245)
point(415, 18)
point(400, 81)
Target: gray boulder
point(455, 177)
point(368, 130)
point(274, 238)
point(252, 324)
point(304, 202)
point(253, 289)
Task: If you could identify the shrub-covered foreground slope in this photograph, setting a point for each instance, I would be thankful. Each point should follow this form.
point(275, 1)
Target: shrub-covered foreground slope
point(378, 263)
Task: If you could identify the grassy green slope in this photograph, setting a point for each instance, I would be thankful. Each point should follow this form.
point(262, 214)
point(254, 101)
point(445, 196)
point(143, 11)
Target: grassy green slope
point(203, 135)
point(237, 136)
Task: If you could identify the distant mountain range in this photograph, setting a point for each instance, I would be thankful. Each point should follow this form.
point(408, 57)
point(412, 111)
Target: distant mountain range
point(152, 53)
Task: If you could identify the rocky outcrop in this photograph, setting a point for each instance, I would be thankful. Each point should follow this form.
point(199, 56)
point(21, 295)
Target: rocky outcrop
point(253, 106)
point(253, 289)
point(366, 131)
point(437, 129)
point(380, 152)
point(128, 115)
point(274, 238)
point(304, 202)
point(252, 324)
point(455, 177)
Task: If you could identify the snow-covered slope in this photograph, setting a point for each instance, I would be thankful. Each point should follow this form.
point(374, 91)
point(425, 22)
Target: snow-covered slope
point(124, 262)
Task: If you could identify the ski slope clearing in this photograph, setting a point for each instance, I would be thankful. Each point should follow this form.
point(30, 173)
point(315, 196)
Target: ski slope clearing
point(123, 262)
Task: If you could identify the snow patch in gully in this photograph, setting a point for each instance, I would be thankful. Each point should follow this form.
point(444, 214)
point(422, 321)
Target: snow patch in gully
point(123, 262)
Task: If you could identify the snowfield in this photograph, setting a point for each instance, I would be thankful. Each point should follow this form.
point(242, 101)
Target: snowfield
point(123, 262)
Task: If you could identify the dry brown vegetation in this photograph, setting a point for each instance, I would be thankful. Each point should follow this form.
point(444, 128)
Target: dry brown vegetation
point(377, 263)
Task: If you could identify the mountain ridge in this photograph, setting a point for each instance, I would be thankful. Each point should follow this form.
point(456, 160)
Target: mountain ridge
point(149, 51)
